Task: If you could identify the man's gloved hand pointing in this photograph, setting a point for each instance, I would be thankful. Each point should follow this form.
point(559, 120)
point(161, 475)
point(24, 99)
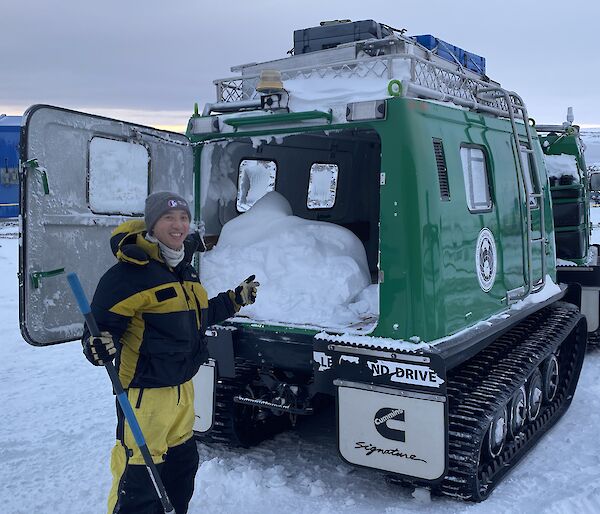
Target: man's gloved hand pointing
point(245, 293)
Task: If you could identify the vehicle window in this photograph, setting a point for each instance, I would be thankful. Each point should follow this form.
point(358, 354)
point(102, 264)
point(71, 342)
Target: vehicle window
point(118, 176)
point(256, 178)
point(476, 179)
point(322, 186)
point(529, 182)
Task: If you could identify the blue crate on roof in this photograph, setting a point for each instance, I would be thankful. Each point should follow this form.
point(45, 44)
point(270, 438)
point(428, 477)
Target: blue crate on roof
point(452, 53)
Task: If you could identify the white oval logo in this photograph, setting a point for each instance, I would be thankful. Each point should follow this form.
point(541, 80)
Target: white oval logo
point(485, 259)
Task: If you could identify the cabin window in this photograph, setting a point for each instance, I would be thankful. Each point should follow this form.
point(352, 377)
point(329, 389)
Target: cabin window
point(530, 183)
point(256, 178)
point(118, 176)
point(322, 186)
point(476, 179)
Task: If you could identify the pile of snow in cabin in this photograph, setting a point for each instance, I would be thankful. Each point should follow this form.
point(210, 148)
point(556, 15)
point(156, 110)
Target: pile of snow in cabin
point(312, 273)
point(563, 168)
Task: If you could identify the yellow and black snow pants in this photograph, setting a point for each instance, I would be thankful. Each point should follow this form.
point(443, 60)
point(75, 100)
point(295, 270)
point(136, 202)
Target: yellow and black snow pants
point(166, 417)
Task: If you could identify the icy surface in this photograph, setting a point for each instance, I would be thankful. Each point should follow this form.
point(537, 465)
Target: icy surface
point(59, 424)
point(59, 428)
point(562, 262)
point(374, 342)
point(549, 290)
point(562, 165)
point(311, 272)
point(256, 179)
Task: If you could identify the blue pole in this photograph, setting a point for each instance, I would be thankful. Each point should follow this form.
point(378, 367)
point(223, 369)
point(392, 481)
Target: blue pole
point(86, 310)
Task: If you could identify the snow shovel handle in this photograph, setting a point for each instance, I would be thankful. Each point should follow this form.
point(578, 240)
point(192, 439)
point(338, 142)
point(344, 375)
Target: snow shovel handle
point(85, 309)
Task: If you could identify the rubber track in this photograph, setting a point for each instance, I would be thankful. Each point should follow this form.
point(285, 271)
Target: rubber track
point(486, 383)
point(223, 430)
point(228, 428)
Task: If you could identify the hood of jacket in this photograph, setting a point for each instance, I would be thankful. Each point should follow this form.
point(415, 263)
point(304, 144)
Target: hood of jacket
point(129, 244)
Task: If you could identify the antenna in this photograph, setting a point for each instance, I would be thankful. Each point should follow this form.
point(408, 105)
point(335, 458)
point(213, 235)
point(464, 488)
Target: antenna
point(570, 116)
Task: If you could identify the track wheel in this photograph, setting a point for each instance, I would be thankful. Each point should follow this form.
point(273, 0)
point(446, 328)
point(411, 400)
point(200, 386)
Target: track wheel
point(496, 435)
point(518, 411)
point(550, 377)
point(534, 394)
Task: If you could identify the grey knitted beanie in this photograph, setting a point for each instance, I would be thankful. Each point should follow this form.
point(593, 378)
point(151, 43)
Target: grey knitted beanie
point(159, 203)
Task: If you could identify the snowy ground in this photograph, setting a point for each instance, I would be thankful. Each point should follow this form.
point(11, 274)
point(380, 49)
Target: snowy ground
point(59, 426)
point(591, 139)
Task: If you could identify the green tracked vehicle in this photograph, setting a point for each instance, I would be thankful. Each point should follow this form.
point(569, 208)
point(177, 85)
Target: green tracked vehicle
point(475, 344)
point(571, 185)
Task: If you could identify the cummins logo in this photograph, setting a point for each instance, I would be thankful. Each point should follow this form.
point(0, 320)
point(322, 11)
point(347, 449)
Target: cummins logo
point(382, 423)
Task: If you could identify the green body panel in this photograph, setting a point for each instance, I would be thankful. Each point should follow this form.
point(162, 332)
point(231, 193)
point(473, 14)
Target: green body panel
point(429, 286)
point(428, 246)
point(569, 144)
point(575, 195)
point(291, 117)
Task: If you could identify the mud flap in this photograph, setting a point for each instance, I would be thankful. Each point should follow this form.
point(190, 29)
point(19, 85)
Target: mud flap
point(392, 430)
point(220, 348)
point(391, 405)
point(204, 397)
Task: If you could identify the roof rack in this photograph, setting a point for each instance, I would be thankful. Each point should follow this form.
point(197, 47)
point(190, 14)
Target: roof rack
point(421, 73)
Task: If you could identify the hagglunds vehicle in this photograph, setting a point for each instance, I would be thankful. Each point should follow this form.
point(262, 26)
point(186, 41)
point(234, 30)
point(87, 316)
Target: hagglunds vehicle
point(394, 203)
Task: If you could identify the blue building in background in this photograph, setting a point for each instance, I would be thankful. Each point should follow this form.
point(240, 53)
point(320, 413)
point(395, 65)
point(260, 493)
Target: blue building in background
point(10, 127)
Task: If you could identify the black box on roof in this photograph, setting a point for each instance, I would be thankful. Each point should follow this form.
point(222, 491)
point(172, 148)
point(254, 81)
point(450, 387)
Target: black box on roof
point(331, 35)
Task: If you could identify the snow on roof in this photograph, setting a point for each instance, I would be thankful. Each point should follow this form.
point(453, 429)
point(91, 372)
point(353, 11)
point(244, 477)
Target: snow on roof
point(562, 165)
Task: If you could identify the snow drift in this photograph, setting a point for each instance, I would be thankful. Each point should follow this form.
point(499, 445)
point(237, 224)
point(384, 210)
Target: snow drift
point(312, 273)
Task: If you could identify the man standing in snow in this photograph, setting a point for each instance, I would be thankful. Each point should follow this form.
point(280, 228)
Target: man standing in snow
point(153, 312)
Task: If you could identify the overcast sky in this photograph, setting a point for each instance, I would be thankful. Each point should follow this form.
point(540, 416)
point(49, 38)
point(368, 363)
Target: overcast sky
point(149, 61)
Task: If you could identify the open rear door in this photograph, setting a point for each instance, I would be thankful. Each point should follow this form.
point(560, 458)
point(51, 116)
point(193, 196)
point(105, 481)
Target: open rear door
point(82, 175)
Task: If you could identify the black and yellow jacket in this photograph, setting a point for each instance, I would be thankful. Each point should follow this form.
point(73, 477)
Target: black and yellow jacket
point(156, 315)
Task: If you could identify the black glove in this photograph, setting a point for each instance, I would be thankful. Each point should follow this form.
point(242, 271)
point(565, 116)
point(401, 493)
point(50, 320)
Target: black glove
point(194, 243)
point(245, 293)
point(99, 350)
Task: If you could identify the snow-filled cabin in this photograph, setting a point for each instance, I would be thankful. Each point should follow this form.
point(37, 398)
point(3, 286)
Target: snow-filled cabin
point(302, 213)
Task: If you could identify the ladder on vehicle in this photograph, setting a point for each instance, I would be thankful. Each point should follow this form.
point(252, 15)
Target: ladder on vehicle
point(516, 109)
